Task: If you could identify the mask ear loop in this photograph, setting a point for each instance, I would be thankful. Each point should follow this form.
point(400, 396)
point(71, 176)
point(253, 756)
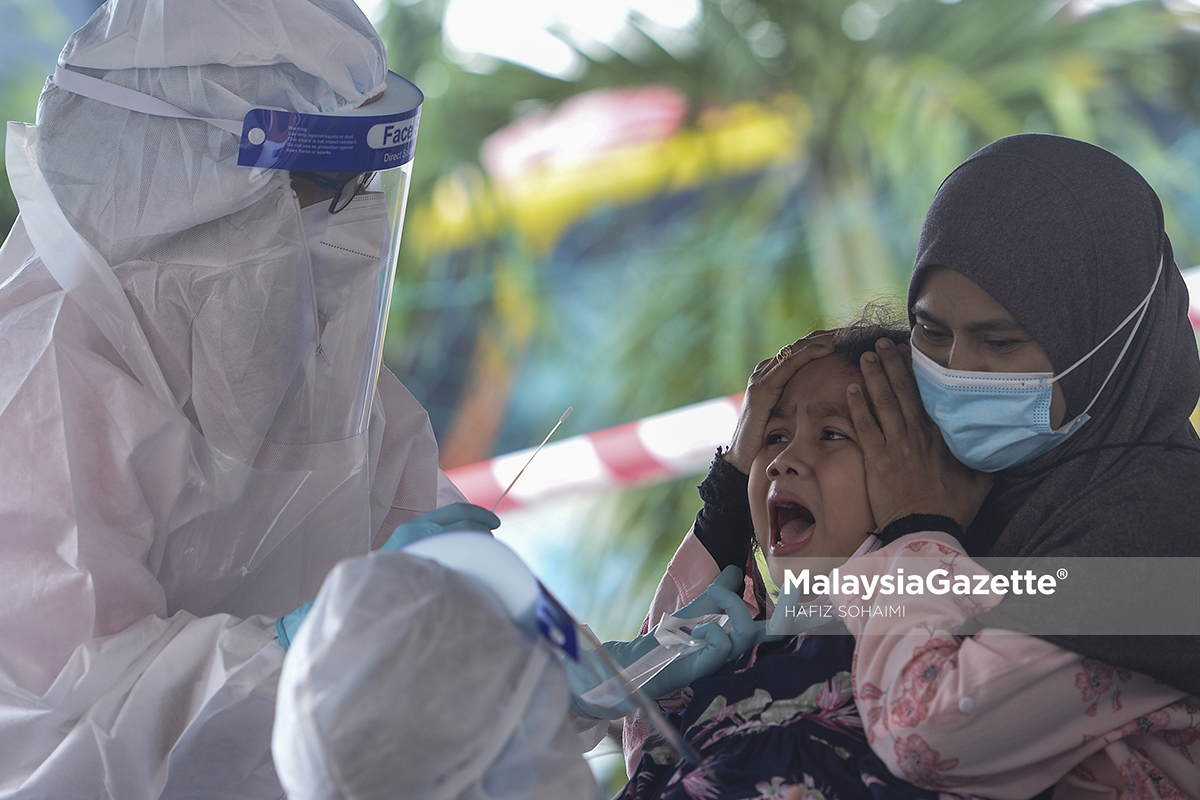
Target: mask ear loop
point(1140, 311)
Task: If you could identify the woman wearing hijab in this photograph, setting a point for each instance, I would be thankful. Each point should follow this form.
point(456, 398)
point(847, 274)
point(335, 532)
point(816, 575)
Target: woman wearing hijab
point(1045, 256)
point(1040, 247)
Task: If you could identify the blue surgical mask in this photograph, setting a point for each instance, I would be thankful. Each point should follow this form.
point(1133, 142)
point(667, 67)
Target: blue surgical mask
point(996, 420)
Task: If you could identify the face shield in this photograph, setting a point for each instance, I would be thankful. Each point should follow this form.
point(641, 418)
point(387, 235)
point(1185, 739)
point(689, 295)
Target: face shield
point(362, 161)
point(359, 162)
point(594, 676)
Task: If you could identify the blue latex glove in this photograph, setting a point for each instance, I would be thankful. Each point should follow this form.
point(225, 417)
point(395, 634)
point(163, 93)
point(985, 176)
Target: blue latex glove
point(454, 517)
point(722, 596)
point(286, 627)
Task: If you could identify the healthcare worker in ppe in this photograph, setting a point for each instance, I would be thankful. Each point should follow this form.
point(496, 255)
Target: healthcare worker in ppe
point(410, 682)
point(444, 671)
point(194, 424)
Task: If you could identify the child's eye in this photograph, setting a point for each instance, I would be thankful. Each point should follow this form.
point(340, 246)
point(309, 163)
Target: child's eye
point(776, 438)
point(831, 435)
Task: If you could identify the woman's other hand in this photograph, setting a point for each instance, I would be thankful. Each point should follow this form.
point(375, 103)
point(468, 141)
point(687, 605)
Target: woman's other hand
point(763, 390)
point(909, 468)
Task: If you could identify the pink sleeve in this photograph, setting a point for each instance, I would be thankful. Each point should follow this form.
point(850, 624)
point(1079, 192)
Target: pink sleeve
point(690, 572)
point(997, 714)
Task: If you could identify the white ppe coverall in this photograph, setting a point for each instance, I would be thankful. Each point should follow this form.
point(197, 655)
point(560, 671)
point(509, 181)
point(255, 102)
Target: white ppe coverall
point(167, 485)
point(409, 681)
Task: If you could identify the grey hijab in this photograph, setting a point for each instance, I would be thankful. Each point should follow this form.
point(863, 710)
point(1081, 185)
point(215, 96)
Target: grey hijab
point(1068, 237)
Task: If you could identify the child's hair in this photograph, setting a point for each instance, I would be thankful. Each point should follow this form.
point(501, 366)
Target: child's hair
point(879, 319)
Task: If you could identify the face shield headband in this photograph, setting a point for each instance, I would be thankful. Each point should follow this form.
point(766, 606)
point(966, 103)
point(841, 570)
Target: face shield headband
point(376, 138)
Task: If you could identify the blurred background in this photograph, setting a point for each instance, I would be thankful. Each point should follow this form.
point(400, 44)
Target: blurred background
point(622, 205)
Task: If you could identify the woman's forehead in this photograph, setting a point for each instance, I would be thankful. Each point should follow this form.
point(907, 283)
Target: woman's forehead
point(950, 298)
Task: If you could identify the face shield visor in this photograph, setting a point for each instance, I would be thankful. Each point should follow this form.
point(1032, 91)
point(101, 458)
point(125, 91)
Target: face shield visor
point(358, 164)
point(594, 676)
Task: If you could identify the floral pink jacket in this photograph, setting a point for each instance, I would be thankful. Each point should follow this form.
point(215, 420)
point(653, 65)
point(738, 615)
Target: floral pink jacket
point(996, 714)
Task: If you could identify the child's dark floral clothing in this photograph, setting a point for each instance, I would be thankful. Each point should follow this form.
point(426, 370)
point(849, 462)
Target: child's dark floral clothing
point(781, 716)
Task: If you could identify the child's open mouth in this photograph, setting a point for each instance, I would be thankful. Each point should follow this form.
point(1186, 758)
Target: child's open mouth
point(792, 526)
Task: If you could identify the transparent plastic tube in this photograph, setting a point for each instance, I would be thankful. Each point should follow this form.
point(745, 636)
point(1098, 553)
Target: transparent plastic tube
point(674, 642)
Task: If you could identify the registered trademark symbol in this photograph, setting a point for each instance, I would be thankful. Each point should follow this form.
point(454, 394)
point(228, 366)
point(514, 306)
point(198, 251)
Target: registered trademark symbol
point(1062, 573)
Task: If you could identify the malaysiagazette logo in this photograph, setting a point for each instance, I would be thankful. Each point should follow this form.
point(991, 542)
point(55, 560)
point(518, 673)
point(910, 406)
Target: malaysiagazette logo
point(937, 582)
point(942, 590)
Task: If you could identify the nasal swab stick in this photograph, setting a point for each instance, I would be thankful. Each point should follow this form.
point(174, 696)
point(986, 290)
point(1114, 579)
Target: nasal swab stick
point(504, 494)
point(651, 711)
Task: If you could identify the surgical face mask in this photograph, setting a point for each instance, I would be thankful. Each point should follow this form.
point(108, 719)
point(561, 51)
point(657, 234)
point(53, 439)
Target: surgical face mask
point(344, 249)
point(996, 420)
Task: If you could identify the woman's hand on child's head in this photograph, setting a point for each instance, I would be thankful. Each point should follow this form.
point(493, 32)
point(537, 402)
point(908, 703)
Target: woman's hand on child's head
point(763, 390)
point(909, 468)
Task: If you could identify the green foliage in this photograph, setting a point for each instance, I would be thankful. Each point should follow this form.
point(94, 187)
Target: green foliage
point(673, 300)
point(31, 34)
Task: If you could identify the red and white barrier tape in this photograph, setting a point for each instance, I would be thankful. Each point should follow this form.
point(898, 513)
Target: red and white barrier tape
point(650, 450)
point(1192, 278)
